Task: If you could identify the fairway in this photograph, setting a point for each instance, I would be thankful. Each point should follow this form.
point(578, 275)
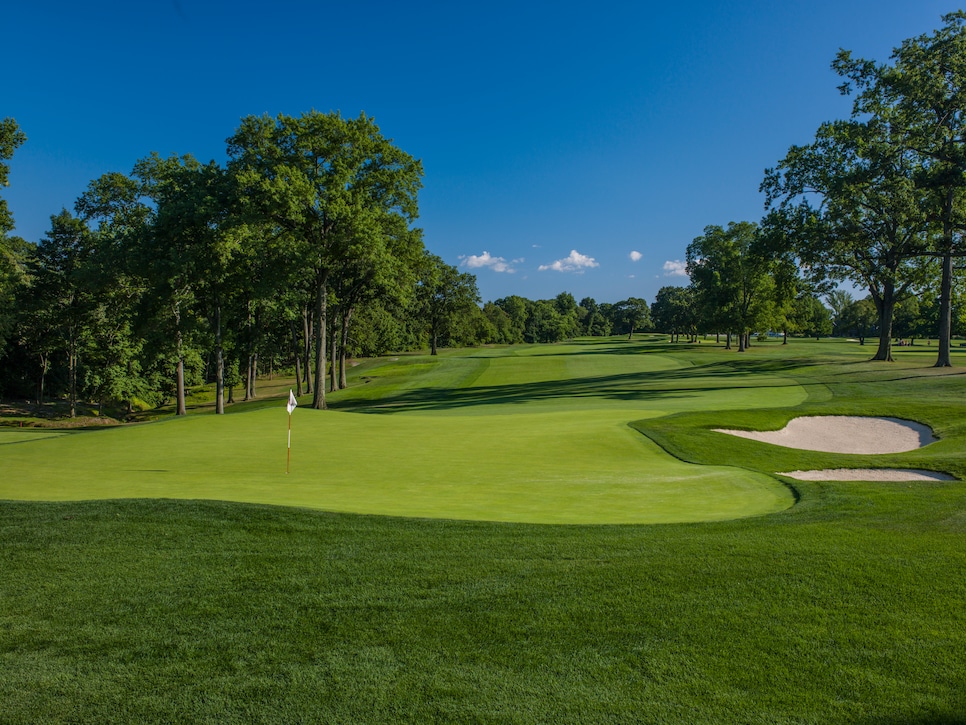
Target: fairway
point(532, 434)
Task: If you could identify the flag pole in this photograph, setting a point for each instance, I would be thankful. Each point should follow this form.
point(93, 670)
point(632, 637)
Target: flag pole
point(290, 406)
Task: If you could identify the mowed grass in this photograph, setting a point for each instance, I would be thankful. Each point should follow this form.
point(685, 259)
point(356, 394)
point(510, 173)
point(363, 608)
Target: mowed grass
point(538, 434)
point(846, 607)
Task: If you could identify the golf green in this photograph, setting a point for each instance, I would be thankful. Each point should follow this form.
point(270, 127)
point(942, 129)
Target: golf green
point(532, 434)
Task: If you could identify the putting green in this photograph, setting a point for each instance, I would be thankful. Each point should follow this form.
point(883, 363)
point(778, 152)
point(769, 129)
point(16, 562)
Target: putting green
point(550, 467)
point(538, 438)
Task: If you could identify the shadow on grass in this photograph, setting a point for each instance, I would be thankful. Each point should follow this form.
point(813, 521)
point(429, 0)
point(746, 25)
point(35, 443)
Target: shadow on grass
point(643, 387)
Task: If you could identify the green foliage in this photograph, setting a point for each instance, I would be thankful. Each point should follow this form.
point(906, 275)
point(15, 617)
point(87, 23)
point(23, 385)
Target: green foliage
point(11, 137)
point(674, 310)
point(732, 272)
point(810, 317)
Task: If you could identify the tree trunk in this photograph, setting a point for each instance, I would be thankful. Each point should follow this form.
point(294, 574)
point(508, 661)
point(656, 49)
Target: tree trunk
point(887, 308)
point(309, 331)
point(179, 374)
point(252, 375)
point(44, 367)
point(318, 321)
point(219, 365)
point(181, 408)
point(944, 359)
point(742, 339)
point(72, 377)
point(333, 356)
point(343, 345)
point(728, 340)
point(298, 359)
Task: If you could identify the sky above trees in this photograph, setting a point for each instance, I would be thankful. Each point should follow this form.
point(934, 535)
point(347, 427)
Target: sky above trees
point(566, 146)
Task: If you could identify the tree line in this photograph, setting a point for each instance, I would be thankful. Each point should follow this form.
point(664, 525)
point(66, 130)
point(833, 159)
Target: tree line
point(299, 252)
point(877, 200)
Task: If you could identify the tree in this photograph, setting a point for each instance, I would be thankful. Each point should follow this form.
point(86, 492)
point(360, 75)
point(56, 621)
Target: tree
point(810, 317)
point(731, 272)
point(12, 249)
point(594, 323)
point(673, 310)
point(380, 264)
point(312, 178)
point(59, 298)
point(517, 310)
point(860, 319)
point(631, 314)
point(852, 210)
point(445, 297)
point(922, 98)
point(11, 138)
point(838, 301)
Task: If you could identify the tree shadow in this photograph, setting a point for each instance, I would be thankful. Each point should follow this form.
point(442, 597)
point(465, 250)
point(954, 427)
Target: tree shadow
point(626, 387)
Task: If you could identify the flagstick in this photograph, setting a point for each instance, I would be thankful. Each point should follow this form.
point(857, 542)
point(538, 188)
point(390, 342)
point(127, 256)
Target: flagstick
point(288, 460)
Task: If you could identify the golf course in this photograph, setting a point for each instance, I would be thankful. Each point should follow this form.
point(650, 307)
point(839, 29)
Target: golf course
point(515, 534)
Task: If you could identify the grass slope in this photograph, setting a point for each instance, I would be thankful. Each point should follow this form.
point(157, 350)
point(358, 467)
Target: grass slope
point(846, 607)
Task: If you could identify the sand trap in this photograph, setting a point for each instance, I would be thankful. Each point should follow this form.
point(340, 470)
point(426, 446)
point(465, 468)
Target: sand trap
point(868, 474)
point(845, 434)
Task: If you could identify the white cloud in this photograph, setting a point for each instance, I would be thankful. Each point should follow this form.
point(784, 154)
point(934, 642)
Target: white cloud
point(635, 256)
point(576, 262)
point(497, 264)
point(675, 268)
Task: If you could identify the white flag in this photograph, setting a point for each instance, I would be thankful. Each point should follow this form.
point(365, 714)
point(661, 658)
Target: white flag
point(292, 402)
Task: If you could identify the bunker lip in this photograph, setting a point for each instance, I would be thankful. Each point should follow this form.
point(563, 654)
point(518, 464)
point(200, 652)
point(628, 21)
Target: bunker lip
point(869, 474)
point(845, 434)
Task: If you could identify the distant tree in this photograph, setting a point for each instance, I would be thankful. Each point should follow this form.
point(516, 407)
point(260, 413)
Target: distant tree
point(631, 314)
point(59, 299)
point(444, 300)
point(732, 274)
point(673, 311)
point(518, 311)
point(500, 323)
point(838, 302)
point(810, 317)
point(594, 323)
point(860, 319)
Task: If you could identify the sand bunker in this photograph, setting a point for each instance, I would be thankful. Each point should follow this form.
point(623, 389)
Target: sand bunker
point(868, 474)
point(845, 434)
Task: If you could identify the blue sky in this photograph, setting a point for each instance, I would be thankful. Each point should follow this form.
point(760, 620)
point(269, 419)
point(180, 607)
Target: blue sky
point(567, 146)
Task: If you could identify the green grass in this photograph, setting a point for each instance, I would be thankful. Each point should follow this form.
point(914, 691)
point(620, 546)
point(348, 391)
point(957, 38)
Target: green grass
point(844, 607)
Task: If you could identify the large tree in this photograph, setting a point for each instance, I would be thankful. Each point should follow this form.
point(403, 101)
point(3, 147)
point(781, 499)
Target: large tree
point(921, 97)
point(312, 177)
point(851, 209)
point(12, 249)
